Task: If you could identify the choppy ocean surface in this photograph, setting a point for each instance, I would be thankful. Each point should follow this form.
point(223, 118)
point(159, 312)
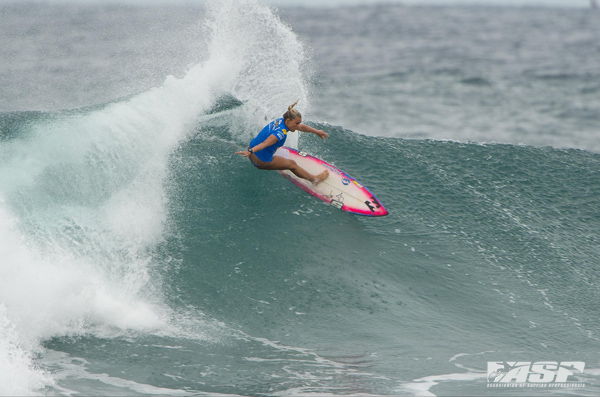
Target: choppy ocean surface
point(139, 255)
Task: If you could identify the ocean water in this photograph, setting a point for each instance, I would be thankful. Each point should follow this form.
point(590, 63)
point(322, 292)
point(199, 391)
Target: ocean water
point(140, 256)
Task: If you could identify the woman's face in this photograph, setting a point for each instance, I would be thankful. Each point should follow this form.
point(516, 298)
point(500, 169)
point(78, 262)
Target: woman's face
point(293, 124)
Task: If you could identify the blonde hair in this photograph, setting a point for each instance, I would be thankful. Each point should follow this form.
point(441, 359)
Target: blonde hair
point(292, 114)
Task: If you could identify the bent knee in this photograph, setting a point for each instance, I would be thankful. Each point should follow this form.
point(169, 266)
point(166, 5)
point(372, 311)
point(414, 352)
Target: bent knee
point(292, 164)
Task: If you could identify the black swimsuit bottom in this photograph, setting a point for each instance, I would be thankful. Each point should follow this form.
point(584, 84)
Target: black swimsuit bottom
point(254, 163)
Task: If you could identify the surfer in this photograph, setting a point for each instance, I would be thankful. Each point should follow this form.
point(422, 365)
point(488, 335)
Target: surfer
point(262, 148)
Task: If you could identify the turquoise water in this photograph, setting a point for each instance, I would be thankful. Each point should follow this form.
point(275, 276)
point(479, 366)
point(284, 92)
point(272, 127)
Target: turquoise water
point(141, 256)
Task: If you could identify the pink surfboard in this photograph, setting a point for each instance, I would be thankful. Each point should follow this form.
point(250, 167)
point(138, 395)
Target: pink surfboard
point(339, 189)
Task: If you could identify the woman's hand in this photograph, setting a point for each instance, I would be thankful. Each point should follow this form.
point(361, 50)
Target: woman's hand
point(322, 134)
point(271, 140)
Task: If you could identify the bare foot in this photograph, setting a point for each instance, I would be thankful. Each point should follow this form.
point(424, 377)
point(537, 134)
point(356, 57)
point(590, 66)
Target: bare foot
point(321, 177)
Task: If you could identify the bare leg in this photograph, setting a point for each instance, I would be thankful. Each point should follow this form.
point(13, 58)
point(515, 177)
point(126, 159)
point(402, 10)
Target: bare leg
point(281, 163)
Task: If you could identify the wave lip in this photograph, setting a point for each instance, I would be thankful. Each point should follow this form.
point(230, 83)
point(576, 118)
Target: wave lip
point(85, 195)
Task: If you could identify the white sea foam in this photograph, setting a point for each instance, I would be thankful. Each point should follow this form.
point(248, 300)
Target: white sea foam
point(83, 196)
point(422, 386)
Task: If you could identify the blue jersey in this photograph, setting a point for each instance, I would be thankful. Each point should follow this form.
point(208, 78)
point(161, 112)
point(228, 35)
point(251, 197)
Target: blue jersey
point(277, 128)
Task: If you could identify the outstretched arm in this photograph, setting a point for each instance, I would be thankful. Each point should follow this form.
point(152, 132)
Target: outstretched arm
point(305, 128)
point(271, 140)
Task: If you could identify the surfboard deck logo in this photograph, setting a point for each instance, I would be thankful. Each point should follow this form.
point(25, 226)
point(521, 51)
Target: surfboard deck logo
point(339, 190)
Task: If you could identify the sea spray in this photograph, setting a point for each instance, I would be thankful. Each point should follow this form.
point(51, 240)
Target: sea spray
point(87, 201)
point(84, 200)
point(490, 251)
point(268, 63)
point(17, 347)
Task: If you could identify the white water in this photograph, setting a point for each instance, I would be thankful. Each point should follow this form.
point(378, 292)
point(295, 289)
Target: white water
point(83, 201)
